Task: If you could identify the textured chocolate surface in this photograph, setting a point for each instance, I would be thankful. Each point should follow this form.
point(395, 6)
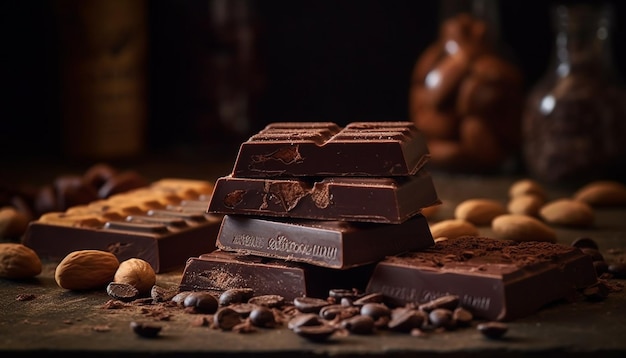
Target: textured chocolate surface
point(334, 244)
point(164, 224)
point(495, 279)
point(364, 199)
point(219, 271)
point(325, 149)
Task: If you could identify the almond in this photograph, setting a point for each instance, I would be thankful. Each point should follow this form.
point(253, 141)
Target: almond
point(522, 228)
point(453, 228)
point(527, 186)
point(18, 261)
point(602, 193)
point(567, 212)
point(13, 223)
point(136, 272)
point(525, 204)
point(86, 269)
point(479, 211)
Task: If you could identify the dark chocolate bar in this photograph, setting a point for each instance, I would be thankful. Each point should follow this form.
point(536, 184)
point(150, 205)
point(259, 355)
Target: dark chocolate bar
point(163, 224)
point(324, 149)
point(334, 244)
point(495, 279)
point(367, 199)
point(219, 271)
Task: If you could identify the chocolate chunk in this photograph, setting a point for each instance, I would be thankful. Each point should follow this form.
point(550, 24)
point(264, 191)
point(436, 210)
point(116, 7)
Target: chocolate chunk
point(334, 244)
point(129, 225)
point(122, 291)
point(220, 271)
point(493, 330)
point(315, 333)
point(201, 301)
point(359, 149)
point(226, 318)
point(309, 304)
point(359, 324)
point(493, 283)
point(331, 198)
point(145, 330)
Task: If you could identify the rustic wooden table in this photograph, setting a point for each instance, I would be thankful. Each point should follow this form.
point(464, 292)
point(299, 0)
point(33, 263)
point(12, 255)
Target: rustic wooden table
point(71, 323)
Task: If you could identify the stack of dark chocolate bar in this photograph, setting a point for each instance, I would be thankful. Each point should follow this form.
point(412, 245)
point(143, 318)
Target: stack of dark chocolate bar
point(312, 206)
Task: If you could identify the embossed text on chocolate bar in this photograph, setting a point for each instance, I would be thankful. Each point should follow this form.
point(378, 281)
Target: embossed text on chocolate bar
point(334, 244)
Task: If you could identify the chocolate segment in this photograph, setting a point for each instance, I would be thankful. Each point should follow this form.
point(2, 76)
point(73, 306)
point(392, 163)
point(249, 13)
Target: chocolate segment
point(219, 271)
point(382, 200)
point(163, 224)
point(494, 279)
point(333, 244)
point(324, 149)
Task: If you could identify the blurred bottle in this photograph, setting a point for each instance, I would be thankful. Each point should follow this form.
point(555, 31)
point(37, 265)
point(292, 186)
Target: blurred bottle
point(224, 71)
point(467, 93)
point(574, 123)
point(103, 49)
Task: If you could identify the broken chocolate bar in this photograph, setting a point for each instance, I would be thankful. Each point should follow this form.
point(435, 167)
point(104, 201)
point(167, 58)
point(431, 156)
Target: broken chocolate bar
point(219, 271)
point(334, 244)
point(382, 200)
point(494, 279)
point(292, 149)
point(163, 224)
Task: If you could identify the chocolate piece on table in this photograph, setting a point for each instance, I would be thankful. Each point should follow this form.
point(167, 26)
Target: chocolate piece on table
point(494, 279)
point(364, 199)
point(325, 149)
point(219, 271)
point(334, 244)
point(163, 224)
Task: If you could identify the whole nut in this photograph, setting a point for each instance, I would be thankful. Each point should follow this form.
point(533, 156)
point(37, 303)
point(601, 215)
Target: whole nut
point(86, 269)
point(527, 186)
point(136, 272)
point(525, 204)
point(479, 211)
point(522, 228)
point(453, 228)
point(13, 223)
point(602, 193)
point(567, 212)
point(18, 261)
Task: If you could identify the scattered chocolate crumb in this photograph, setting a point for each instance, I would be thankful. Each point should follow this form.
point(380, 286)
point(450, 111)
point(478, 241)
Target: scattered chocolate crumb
point(114, 305)
point(25, 297)
point(101, 328)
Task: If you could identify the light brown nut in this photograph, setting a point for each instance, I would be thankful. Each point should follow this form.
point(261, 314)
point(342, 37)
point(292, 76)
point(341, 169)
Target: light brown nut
point(479, 211)
point(18, 261)
point(525, 204)
point(13, 223)
point(567, 212)
point(602, 193)
point(136, 272)
point(86, 269)
point(430, 211)
point(527, 186)
point(522, 228)
point(453, 228)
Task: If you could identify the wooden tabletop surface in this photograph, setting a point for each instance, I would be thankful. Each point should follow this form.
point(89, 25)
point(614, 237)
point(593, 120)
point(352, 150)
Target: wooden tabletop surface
point(55, 320)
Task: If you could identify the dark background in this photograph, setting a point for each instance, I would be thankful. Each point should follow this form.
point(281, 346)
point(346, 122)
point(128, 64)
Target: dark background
point(320, 60)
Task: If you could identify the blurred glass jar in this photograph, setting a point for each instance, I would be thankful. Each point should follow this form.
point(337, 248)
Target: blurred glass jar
point(467, 93)
point(574, 124)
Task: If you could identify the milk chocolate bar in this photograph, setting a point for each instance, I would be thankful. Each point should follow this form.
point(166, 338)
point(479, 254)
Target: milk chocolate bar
point(366, 199)
point(334, 244)
point(324, 149)
point(219, 271)
point(163, 224)
point(495, 279)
